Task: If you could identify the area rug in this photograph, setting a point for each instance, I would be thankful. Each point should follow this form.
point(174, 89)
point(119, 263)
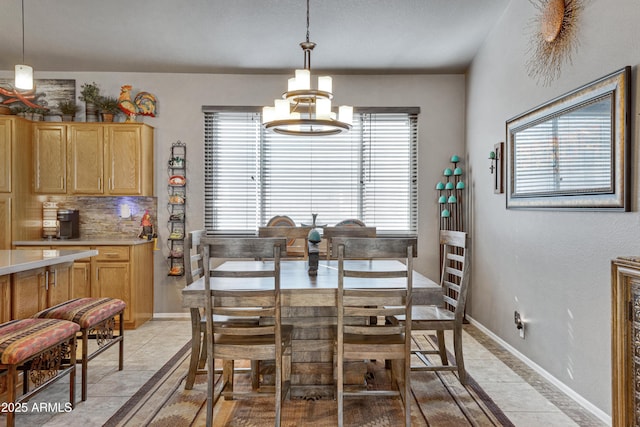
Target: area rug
point(438, 399)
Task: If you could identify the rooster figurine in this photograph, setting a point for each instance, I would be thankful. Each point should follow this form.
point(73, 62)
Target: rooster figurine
point(144, 104)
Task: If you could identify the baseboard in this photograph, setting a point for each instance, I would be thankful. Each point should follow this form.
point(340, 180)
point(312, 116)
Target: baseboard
point(177, 316)
point(603, 416)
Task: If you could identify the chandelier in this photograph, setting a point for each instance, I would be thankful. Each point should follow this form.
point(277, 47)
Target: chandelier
point(303, 111)
point(24, 73)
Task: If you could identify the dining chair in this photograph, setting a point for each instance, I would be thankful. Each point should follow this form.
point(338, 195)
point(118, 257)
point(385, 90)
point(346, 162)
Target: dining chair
point(364, 293)
point(449, 315)
point(291, 233)
point(346, 230)
point(294, 247)
point(194, 270)
point(247, 293)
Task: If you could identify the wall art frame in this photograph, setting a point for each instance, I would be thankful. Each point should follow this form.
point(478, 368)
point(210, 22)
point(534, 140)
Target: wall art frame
point(572, 153)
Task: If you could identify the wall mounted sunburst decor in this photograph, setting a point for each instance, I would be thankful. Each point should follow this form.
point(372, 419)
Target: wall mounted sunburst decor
point(554, 37)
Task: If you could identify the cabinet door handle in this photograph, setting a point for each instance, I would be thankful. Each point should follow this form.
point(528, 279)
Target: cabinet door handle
point(99, 183)
point(111, 254)
point(55, 278)
point(46, 280)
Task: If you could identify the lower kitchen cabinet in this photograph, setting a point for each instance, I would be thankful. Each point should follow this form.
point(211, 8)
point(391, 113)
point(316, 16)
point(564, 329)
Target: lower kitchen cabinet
point(118, 271)
point(81, 279)
point(5, 299)
point(37, 289)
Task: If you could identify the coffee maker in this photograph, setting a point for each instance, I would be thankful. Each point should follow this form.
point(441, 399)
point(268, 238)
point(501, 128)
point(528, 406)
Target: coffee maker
point(68, 224)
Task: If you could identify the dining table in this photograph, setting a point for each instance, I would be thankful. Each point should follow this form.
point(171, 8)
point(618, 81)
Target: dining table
point(309, 304)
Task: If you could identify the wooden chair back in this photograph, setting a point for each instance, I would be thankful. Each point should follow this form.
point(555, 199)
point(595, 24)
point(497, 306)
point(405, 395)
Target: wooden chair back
point(454, 278)
point(238, 303)
point(329, 233)
point(193, 266)
point(291, 233)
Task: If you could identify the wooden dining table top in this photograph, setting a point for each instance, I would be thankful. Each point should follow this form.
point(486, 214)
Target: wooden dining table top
point(300, 289)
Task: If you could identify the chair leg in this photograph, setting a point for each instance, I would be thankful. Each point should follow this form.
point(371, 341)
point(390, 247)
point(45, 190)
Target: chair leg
point(442, 348)
point(255, 374)
point(72, 374)
point(196, 344)
point(227, 377)
point(12, 379)
point(85, 361)
point(278, 394)
point(457, 348)
point(121, 349)
point(203, 351)
point(340, 392)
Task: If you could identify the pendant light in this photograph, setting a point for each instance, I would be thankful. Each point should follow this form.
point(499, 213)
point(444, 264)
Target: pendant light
point(303, 111)
point(24, 73)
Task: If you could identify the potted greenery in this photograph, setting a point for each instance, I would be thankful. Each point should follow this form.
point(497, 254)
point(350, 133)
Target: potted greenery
point(19, 111)
point(108, 107)
point(68, 110)
point(90, 94)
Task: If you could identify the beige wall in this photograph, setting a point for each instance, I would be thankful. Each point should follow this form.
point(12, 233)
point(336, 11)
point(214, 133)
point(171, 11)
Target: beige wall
point(553, 267)
point(180, 100)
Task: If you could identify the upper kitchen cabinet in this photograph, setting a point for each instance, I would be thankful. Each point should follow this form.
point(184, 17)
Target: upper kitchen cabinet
point(19, 212)
point(129, 156)
point(86, 159)
point(6, 138)
point(50, 158)
point(106, 159)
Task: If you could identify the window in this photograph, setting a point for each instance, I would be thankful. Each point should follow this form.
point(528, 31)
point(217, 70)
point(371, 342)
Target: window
point(369, 173)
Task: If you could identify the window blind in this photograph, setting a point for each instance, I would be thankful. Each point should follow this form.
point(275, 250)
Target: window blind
point(369, 173)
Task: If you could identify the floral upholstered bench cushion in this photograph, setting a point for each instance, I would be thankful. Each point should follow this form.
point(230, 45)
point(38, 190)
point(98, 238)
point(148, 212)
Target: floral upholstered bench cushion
point(86, 312)
point(22, 339)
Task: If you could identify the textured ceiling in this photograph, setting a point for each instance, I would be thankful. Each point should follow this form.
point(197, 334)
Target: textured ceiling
point(245, 36)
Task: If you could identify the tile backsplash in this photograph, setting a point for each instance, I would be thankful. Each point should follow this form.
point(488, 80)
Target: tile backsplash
point(101, 217)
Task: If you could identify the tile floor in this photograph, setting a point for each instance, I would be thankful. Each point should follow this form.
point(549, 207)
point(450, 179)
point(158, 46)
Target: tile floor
point(526, 398)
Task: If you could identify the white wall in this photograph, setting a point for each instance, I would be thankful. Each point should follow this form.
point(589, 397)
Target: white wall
point(553, 267)
point(180, 100)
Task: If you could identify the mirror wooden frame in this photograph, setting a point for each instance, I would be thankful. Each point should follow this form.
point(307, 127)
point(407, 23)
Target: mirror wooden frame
point(613, 90)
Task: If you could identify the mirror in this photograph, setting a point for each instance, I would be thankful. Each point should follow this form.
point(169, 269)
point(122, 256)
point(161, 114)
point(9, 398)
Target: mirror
point(572, 152)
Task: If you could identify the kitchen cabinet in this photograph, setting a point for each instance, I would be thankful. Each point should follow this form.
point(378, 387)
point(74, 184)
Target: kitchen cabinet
point(5, 299)
point(118, 271)
point(625, 341)
point(5, 155)
point(37, 289)
point(86, 154)
point(95, 159)
point(5, 221)
point(50, 158)
point(81, 280)
point(20, 216)
point(130, 159)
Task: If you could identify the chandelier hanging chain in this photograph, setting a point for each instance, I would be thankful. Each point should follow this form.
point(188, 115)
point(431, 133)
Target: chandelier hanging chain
point(23, 31)
point(307, 20)
point(302, 110)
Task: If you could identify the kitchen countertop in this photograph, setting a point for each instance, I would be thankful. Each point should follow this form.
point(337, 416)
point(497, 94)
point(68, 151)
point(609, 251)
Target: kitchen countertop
point(15, 261)
point(100, 241)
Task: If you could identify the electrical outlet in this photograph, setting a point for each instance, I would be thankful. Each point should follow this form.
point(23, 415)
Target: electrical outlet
point(517, 319)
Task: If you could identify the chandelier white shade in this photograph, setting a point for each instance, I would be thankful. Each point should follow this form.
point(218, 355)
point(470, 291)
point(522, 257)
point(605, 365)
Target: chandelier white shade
point(24, 73)
point(303, 110)
point(24, 77)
